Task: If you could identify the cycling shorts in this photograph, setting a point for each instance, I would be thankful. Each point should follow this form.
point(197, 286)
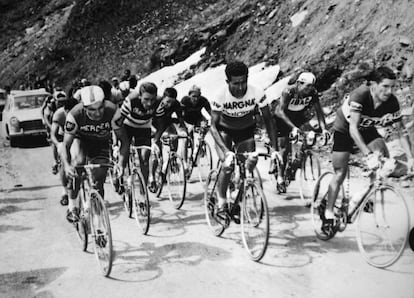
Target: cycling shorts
point(344, 142)
point(93, 149)
point(142, 136)
point(236, 135)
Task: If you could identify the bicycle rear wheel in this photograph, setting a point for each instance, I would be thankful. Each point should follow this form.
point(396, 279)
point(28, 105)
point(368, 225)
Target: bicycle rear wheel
point(382, 227)
point(254, 221)
point(176, 181)
point(101, 232)
point(310, 171)
point(318, 205)
point(210, 203)
point(140, 201)
point(82, 225)
point(204, 162)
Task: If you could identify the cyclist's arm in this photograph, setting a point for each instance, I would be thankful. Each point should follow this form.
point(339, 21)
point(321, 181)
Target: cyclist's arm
point(319, 113)
point(282, 107)
point(54, 133)
point(404, 139)
point(215, 118)
point(163, 125)
point(120, 132)
point(270, 126)
point(355, 119)
point(65, 154)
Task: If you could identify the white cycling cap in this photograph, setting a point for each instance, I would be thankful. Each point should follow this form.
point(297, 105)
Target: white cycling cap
point(307, 77)
point(91, 94)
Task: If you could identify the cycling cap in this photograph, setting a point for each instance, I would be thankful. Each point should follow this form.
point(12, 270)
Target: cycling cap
point(194, 89)
point(59, 95)
point(91, 94)
point(115, 79)
point(307, 77)
point(124, 85)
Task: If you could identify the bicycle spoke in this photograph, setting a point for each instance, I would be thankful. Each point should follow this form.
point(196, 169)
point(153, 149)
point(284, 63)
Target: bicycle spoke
point(382, 227)
point(140, 202)
point(255, 221)
point(176, 181)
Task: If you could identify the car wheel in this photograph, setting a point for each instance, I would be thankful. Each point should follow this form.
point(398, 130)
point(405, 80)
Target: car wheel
point(13, 141)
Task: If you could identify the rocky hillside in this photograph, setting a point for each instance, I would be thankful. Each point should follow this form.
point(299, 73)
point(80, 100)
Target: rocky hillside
point(339, 40)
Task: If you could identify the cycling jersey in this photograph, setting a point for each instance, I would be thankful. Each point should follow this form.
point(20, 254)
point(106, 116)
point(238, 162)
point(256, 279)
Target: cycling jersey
point(297, 103)
point(360, 100)
point(135, 114)
point(164, 113)
point(79, 124)
point(238, 113)
point(192, 111)
point(59, 117)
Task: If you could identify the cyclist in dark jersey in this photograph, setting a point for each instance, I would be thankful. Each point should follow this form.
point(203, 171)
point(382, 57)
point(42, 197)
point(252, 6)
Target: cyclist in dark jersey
point(87, 137)
point(193, 104)
point(290, 112)
point(136, 115)
point(56, 136)
point(363, 110)
point(233, 122)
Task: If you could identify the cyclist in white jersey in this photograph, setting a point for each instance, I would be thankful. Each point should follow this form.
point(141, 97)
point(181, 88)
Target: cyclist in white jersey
point(233, 123)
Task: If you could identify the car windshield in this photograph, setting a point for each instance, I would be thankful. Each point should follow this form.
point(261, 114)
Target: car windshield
point(29, 101)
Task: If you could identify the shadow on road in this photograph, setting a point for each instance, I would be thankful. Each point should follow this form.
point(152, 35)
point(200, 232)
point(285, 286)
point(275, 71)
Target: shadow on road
point(29, 188)
point(13, 209)
point(28, 283)
point(10, 228)
point(145, 263)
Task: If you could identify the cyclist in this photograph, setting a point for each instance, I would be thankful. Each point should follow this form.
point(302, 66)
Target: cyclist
point(56, 136)
point(164, 122)
point(49, 107)
point(193, 104)
point(136, 116)
point(232, 122)
point(363, 109)
point(290, 112)
point(88, 131)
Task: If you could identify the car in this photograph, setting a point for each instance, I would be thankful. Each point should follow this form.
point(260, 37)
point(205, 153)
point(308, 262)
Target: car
point(22, 114)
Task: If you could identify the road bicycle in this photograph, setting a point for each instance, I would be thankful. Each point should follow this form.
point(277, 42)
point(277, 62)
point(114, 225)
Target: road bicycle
point(380, 213)
point(200, 155)
point(135, 195)
point(303, 164)
point(94, 218)
point(172, 173)
point(249, 207)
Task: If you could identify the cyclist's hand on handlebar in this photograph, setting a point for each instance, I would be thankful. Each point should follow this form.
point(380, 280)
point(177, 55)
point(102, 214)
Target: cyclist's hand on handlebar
point(295, 133)
point(70, 171)
point(372, 161)
point(228, 159)
point(326, 136)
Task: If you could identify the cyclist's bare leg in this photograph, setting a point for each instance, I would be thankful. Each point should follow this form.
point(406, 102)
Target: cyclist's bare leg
point(247, 146)
point(284, 146)
point(78, 158)
point(340, 166)
point(224, 177)
point(378, 145)
point(144, 161)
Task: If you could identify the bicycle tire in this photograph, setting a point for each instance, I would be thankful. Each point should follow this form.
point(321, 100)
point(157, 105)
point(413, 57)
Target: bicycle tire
point(190, 161)
point(310, 171)
point(411, 239)
point(140, 201)
point(159, 176)
point(210, 203)
point(176, 181)
point(318, 205)
point(102, 240)
point(382, 214)
point(127, 200)
point(204, 161)
point(254, 221)
point(81, 226)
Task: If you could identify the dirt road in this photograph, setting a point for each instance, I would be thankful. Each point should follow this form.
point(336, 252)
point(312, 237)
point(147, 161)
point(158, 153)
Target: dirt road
point(41, 257)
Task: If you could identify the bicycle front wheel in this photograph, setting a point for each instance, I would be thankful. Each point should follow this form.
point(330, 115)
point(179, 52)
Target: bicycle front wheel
point(176, 181)
point(310, 171)
point(211, 203)
point(82, 224)
point(140, 201)
point(101, 232)
point(204, 162)
point(382, 227)
point(254, 221)
point(318, 205)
